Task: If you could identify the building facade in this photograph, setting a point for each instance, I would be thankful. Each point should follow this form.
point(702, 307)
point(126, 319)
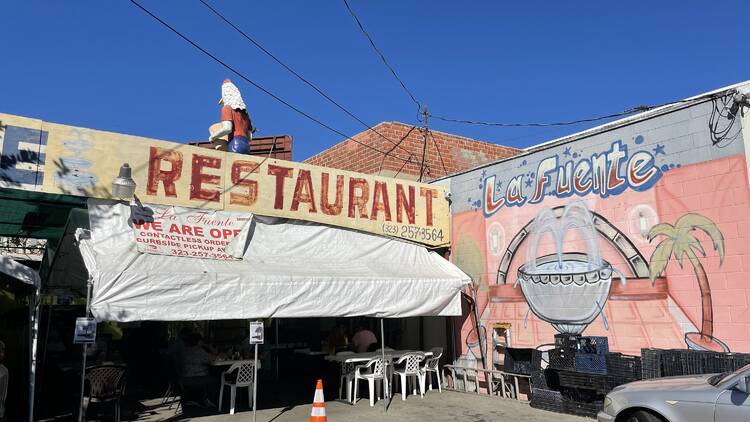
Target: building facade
point(405, 144)
point(638, 230)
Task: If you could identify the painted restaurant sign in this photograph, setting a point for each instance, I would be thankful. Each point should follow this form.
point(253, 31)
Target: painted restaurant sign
point(57, 158)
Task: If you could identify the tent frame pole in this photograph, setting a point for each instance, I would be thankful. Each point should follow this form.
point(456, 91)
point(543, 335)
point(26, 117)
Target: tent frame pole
point(385, 367)
point(34, 305)
point(255, 382)
point(85, 349)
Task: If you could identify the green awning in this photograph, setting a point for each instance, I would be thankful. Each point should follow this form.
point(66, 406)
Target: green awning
point(35, 214)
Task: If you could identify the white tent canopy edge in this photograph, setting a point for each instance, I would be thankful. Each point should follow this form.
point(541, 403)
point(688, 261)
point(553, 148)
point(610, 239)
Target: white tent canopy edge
point(290, 269)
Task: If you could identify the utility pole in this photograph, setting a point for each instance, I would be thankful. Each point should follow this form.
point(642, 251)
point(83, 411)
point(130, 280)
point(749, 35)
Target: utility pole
point(425, 130)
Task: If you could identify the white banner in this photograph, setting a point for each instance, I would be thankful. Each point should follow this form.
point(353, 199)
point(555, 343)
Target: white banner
point(178, 231)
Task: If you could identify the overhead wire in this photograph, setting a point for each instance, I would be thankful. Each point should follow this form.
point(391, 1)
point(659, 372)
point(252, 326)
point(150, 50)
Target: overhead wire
point(399, 142)
point(720, 136)
point(256, 85)
point(296, 74)
point(382, 56)
point(630, 111)
point(445, 169)
point(568, 123)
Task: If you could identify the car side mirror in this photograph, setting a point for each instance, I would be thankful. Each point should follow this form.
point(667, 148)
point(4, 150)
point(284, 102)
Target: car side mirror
point(742, 385)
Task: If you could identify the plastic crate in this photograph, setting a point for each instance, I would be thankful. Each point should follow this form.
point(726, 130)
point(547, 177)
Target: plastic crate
point(625, 366)
point(591, 363)
point(522, 361)
point(738, 360)
point(567, 341)
point(717, 362)
point(546, 399)
point(539, 380)
point(671, 362)
point(612, 381)
point(580, 408)
point(693, 362)
point(598, 345)
point(651, 363)
point(562, 359)
point(583, 381)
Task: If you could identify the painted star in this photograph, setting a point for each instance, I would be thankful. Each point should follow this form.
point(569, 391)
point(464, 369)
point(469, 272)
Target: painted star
point(659, 149)
point(528, 183)
point(566, 152)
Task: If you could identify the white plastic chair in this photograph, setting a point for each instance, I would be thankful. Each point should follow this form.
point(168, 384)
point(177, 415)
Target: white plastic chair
point(411, 368)
point(431, 365)
point(244, 378)
point(347, 376)
point(373, 370)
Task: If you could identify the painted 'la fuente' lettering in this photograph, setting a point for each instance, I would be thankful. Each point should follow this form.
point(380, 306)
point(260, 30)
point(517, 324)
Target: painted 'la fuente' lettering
point(606, 173)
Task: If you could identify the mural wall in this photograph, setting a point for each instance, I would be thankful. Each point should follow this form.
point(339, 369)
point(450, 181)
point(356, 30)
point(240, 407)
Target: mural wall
point(640, 233)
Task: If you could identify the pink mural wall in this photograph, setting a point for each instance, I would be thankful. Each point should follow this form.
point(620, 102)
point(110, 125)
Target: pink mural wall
point(695, 210)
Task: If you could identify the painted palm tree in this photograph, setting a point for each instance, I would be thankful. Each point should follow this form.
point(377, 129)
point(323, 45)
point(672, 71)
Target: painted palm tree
point(678, 241)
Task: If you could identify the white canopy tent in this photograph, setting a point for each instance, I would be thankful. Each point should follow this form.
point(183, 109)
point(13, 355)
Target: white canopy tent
point(289, 269)
point(9, 268)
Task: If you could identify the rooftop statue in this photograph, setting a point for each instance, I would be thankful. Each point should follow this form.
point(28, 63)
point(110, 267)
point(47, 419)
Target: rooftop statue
point(235, 130)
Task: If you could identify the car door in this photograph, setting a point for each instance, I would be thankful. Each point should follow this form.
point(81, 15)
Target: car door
point(733, 405)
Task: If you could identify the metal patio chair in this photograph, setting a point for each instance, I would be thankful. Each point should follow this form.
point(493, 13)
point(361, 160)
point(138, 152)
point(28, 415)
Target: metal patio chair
point(105, 384)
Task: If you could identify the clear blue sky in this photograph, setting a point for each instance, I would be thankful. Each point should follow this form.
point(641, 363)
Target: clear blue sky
point(107, 65)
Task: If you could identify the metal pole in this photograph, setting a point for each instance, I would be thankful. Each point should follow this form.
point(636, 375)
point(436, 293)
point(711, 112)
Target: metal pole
point(385, 368)
point(34, 327)
point(85, 348)
point(255, 382)
point(276, 347)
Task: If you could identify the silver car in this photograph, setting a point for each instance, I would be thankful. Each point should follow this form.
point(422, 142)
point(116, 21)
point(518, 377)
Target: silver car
point(693, 398)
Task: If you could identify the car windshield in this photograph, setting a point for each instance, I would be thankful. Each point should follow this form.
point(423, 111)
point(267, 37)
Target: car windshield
point(726, 376)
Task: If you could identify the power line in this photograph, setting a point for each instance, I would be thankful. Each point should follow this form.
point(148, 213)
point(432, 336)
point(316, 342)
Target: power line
point(391, 150)
point(300, 77)
point(572, 122)
point(633, 110)
point(445, 170)
point(426, 129)
point(248, 80)
point(382, 57)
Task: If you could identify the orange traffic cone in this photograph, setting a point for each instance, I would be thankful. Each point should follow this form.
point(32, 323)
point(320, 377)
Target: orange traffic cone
point(318, 413)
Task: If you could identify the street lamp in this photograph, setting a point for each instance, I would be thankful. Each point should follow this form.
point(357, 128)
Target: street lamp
point(123, 186)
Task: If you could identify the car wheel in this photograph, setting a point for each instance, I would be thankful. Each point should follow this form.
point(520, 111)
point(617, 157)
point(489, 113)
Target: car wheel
point(643, 416)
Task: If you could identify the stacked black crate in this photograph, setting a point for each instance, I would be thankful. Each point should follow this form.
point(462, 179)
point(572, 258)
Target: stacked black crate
point(591, 355)
point(622, 369)
point(651, 360)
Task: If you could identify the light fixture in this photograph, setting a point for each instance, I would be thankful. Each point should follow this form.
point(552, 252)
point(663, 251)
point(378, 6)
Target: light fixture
point(123, 186)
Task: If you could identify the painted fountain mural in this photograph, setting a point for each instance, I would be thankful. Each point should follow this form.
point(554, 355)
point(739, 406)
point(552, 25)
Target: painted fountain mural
point(566, 289)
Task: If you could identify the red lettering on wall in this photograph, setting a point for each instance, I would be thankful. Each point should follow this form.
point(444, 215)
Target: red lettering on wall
point(402, 203)
point(199, 178)
point(167, 177)
point(358, 200)
point(281, 173)
point(428, 195)
point(241, 171)
point(380, 202)
point(303, 191)
point(338, 204)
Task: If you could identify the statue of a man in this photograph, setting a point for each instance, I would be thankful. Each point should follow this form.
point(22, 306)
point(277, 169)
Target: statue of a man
point(235, 122)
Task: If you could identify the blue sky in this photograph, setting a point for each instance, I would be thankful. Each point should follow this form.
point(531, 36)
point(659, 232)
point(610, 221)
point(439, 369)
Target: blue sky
point(107, 65)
